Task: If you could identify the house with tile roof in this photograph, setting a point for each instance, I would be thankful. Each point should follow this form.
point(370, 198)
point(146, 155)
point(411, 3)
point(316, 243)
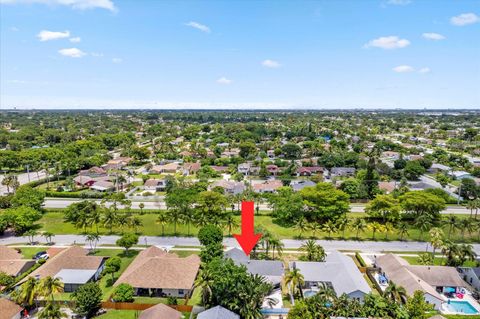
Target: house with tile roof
point(154, 272)
point(12, 262)
point(9, 309)
point(73, 266)
point(160, 311)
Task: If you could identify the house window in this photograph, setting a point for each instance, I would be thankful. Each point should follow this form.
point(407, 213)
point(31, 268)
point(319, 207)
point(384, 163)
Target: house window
point(180, 291)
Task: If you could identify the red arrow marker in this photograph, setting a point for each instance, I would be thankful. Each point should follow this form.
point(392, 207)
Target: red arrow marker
point(247, 239)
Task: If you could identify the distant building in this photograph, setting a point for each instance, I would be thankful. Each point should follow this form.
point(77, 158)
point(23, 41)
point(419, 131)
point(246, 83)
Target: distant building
point(155, 185)
point(299, 185)
point(342, 172)
point(269, 186)
point(230, 187)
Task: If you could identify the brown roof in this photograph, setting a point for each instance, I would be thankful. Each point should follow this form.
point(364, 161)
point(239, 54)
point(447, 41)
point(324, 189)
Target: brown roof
point(7, 253)
point(12, 262)
point(387, 186)
point(160, 311)
point(52, 251)
point(152, 182)
point(192, 167)
point(412, 278)
point(8, 308)
point(155, 268)
point(74, 257)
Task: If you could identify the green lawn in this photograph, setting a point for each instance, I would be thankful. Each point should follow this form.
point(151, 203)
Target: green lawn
point(53, 221)
point(29, 252)
point(438, 261)
point(120, 314)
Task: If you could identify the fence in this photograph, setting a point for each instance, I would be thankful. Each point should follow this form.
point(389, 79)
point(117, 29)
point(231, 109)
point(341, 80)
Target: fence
point(140, 306)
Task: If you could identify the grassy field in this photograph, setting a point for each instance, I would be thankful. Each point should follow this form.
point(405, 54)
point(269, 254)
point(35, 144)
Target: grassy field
point(52, 221)
point(120, 314)
point(438, 261)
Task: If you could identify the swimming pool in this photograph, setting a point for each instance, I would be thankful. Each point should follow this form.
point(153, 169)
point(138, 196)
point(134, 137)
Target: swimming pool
point(461, 307)
point(309, 293)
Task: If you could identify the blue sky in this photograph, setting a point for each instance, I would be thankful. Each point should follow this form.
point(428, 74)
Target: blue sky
point(239, 54)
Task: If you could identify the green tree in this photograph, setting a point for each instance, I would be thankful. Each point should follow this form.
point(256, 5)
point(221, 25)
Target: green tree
point(123, 293)
point(112, 265)
point(312, 251)
point(87, 299)
point(127, 241)
point(324, 201)
point(417, 307)
point(395, 293)
point(384, 206)
point(413, 170)
point(52, 311)
point(295, 280)
point(420, 202)
point(49, 286)
point(29, 197)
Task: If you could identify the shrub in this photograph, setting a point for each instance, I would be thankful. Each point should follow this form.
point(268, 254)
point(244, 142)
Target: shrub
point(87, 299)
point(123, 293)
point(360, 260)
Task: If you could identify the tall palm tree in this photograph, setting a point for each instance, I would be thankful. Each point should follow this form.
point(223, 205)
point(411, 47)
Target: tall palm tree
point(466, 252)
point(466, 224)
point(92, 239)
point(471, 205)
point(135, 222)
point(402, 228)
point(436, 239)
point(51, 311)
point(358, 225)
point(174, 217)
point(95, 217)
point(394, 293)
point(301, 225)
point(162, 219)
point(296, 281)
point(342, 225)
point(205, 282)
point(375, 227)
point(110, 219)
point(28, 292)
point(313, 251)
point(230, 222)
point(424, 223)
point(276, 245)
point(451, 223)
point(314, 227)
point(329, 227)
point(49, 286)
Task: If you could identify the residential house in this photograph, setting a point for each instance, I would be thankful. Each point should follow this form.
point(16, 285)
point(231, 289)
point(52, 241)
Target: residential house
point(217, 312)
point(230, 187)
point(154, 272)
point(471, 275)
point(244, 168)
point(191, 168)
point(338, 271)
point(12, 262)
point(431, 280)
point(387, 187)
point(93, 172)
point(460, 175)
point(160, 311)
point(117, 163)
point(273, 170)
point(269, 186)
point(103, 186)
point(9, 309)
point(170, 168)
point(342, 172)
point(73, 266)
point(84, 180)
point(271, 154)
point(272, 270)
point(391, 155)
point(155, 185)
point(234, 152)
point(309, 170)
point(299, 185)
point(438, 168)
point(220, 169)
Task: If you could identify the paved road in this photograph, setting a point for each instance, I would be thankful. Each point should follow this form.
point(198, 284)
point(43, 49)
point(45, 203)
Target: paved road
point(22, 179)
point(363, 246)
point(149, 205)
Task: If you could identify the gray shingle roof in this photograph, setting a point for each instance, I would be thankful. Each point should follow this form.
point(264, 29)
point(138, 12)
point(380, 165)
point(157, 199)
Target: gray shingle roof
point(217, 312)
point(338, 269)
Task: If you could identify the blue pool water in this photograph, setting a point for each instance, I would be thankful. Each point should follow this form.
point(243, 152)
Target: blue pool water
point(462, 307)
point(309, 293)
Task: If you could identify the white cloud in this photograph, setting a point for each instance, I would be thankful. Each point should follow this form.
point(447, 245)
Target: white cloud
point(117, 60)
point(72, 52)
point(224, 80)
point(399, 2)
point(74, 4)
point(198, 26)
point(96, 54)
point(271, 64)
point(433, 36)
point(403, 69)
point(46, 35)
point(464, 19)
point(75, 39)
point(388, 43)
point(424, 70)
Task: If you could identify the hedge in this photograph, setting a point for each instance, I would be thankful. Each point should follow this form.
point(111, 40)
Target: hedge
point(74, 194)
point(360, 260)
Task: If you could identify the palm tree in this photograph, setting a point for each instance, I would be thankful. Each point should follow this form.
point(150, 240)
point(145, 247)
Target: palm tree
point(313, 251)
point(329, 227)
point(314, 227)
point(424, 223)
point(395, 294)
point(301, 225)
point(296, 281)
point(205, 281)
point(48, 236)
point(358, 225)
point(477, 206)
point(174, 218)
point(31, 235)
point(436, 239)
point(230, 222)
point(49, 286)
point(110, 219)
point(375, 227)
point(425, 259)
point(94, 217)
point(388, 228)
point(122, 221)
point(141, 206)
point(342, 225)
point(28, 292)
point(135, 222)
point(466, 224)
point(92, 239)
point(402, 228)
point(51, 311)
point(276, 245)
point(471, 205)
point(188, 218)
point(451, 223)
point(162, 219)
point(466, 252)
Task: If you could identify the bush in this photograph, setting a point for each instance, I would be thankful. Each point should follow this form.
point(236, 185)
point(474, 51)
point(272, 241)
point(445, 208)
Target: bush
point(74, 194)
point(87, 299)
point(172, 300)
point(123, 293)
point(209, 235)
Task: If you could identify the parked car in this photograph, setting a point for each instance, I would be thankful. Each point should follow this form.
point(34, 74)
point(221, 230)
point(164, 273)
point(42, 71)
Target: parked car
point(41, 255)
